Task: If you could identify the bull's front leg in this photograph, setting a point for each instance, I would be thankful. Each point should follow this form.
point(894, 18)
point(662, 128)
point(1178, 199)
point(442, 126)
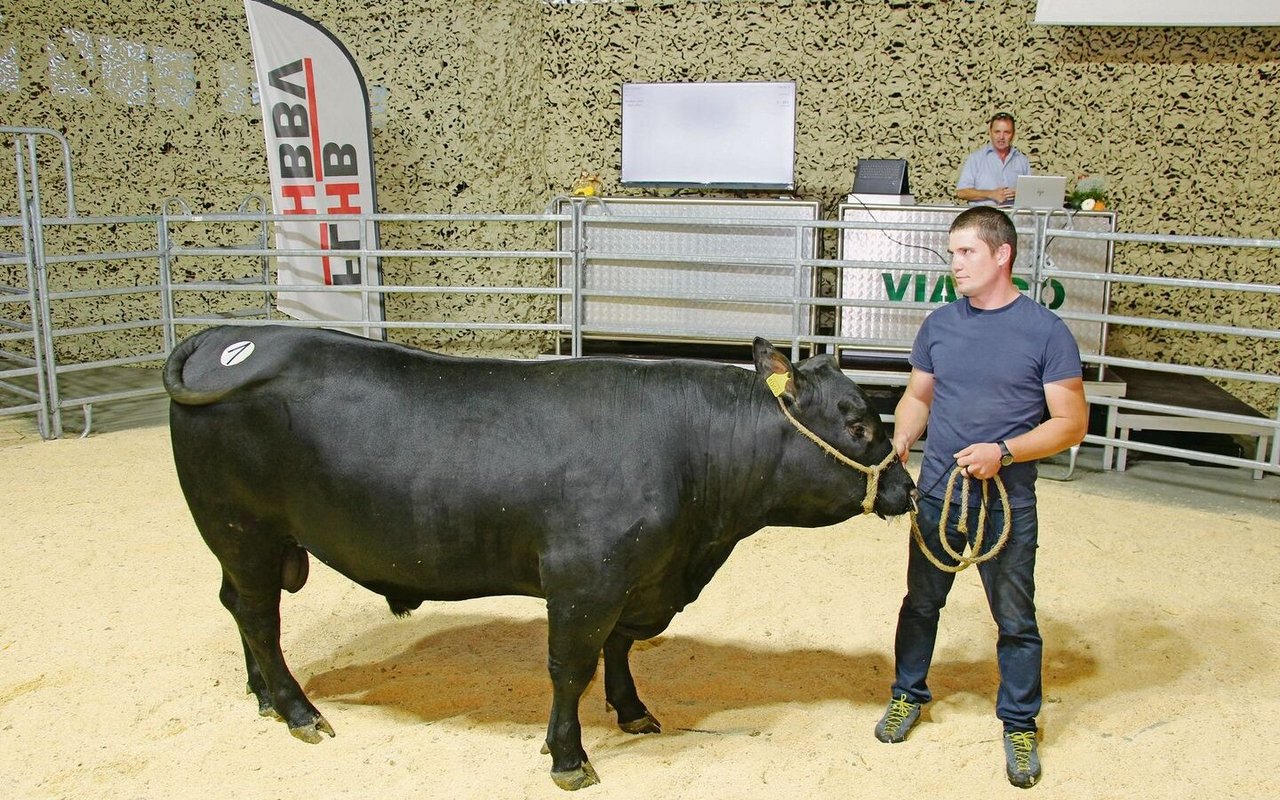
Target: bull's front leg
point(620, 687)
point(575, 635)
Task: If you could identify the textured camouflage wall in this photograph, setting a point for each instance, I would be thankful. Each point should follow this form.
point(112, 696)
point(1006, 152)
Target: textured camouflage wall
point(496, 106)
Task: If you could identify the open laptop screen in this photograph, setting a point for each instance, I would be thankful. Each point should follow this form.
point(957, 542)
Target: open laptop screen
point(1039, 192)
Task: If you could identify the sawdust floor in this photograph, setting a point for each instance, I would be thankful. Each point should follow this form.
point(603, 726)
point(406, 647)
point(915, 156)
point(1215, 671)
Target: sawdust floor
point(121, 675)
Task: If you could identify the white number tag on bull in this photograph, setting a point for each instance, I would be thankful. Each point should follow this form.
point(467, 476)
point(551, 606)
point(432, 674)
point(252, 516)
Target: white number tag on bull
point(236, 353)
point(616, 539)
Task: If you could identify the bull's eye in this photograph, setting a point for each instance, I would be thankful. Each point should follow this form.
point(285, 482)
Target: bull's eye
point(857, 430)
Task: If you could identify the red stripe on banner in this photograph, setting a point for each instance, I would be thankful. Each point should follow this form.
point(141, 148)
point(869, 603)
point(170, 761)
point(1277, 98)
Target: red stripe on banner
point(324, 260)
point(296, 192)
point(315, 133)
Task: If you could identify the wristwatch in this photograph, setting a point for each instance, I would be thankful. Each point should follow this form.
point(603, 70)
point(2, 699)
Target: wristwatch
point(1006, 458)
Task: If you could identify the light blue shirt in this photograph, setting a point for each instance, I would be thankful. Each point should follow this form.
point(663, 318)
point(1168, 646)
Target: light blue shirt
point(983, 169)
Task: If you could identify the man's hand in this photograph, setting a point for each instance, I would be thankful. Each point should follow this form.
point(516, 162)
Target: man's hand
point(980, 460)
point(902, 446)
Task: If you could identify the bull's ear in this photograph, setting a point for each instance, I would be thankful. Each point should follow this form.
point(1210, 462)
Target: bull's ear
point(775, 368)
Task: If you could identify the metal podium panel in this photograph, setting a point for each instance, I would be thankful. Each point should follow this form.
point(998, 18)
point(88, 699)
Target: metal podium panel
point(686, 275)
point(912, 266)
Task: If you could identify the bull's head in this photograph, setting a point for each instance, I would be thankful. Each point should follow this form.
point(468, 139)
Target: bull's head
point(831, 410)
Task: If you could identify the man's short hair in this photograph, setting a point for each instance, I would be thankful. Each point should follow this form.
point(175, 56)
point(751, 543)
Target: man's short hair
point(999, 115)
point(993, 227)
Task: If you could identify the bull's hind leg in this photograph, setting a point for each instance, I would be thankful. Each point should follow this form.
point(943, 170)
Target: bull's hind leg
point(257, 685)
point(293, 576)
point(252, 595)
point(620, 687)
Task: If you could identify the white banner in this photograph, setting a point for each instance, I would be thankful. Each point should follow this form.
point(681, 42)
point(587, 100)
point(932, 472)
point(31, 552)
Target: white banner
point(315, 115)
point(1162, 13)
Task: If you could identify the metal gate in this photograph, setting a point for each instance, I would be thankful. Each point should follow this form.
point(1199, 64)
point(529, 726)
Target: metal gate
point(25, 374)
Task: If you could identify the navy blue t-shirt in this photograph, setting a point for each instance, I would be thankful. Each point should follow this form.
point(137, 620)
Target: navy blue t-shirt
point(989, 369)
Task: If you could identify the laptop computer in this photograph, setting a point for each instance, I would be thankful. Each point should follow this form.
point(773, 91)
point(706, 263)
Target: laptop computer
point(1039, 192)
point(881, 176)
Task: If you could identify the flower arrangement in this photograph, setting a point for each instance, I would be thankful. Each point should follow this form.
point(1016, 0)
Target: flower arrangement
point(1090, 193)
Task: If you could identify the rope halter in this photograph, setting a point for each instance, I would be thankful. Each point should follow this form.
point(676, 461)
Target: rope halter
point(777, 384)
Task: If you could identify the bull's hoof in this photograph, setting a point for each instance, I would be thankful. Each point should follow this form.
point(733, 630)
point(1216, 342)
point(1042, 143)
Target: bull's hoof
point(575, 779)
point(311, 732)
point(646, 724)
point(265, 710)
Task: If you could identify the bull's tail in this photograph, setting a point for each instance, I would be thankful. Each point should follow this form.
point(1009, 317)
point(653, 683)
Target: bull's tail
point(173, 380)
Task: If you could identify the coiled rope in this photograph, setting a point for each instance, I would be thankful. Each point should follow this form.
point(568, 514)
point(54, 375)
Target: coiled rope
point(963, 561)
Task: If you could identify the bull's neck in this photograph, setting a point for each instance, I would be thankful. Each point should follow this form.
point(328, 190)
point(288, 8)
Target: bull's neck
point(738, 455)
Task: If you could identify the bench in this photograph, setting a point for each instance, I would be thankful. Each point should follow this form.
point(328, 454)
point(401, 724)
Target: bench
point(1192, 392)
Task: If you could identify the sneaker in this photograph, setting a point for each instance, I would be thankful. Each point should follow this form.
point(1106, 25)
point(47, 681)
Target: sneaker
point(898, 720)
point(1021, 761)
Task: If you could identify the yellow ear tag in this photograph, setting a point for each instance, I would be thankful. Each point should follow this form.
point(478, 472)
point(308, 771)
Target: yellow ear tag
point(778, 382)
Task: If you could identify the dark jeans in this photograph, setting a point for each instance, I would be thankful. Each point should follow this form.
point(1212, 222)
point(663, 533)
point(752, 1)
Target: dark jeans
point(1009, 581)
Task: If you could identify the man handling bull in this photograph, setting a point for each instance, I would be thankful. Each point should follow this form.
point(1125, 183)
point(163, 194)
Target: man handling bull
point(984, 368)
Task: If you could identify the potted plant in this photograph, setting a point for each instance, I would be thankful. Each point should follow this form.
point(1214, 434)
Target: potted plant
point(1090, 194)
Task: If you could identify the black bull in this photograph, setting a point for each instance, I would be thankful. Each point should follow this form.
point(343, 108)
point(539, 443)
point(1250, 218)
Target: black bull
point(612, 488)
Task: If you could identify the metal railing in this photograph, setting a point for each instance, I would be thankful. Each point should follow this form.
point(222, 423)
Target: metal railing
point(178, 270)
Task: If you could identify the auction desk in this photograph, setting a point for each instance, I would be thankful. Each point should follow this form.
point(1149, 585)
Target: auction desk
point(898, 254)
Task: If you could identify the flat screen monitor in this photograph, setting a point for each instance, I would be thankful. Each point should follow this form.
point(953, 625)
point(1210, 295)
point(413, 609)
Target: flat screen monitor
point(734, 135)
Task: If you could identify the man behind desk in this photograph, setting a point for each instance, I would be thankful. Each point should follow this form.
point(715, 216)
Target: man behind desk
point(990, 173)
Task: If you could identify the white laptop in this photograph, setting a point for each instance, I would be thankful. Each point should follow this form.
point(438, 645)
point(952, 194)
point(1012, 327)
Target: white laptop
point(1040, 192)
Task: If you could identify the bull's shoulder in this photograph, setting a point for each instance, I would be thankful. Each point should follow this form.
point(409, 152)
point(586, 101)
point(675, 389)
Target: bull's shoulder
point(670, 369)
